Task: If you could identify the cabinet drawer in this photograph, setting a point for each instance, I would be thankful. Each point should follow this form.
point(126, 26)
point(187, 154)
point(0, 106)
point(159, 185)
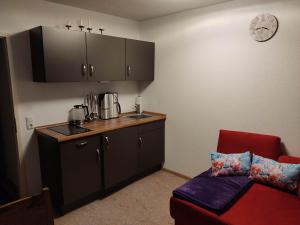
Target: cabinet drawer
point(81, 168)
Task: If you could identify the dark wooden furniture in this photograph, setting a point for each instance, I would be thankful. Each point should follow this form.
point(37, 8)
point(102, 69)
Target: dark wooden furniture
point(81, 170)
point(151, 139)
point(72, 170)
point(101, 126)
point(58, 55)
point(139, 60)
point(35, 210)
point(119, 155)
point(106, 57)
point(136, 150)
point(9, 156)
point(71, 56)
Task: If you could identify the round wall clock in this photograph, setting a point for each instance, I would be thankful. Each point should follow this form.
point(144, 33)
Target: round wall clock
point(264, 27)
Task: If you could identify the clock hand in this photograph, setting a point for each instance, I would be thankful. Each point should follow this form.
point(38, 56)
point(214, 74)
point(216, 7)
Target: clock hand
point(259, 28)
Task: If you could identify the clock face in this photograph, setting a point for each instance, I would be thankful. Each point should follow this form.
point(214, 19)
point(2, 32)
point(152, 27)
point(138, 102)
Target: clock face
point(263, 27)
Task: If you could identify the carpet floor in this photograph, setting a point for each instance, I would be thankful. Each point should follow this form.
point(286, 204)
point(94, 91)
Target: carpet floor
point(145, 202)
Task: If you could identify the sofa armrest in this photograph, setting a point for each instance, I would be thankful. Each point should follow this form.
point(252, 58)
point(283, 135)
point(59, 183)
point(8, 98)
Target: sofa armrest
point(289, 159)
point(187, 213)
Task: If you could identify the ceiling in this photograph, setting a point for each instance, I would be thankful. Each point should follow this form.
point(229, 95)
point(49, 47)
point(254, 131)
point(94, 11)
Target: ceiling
point(138, 9)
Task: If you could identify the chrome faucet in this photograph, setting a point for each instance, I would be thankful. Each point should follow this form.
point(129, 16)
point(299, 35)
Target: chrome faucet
point(138, 109)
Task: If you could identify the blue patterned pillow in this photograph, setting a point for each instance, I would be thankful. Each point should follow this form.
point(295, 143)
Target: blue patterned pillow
point(283, 175)
point(230, 164)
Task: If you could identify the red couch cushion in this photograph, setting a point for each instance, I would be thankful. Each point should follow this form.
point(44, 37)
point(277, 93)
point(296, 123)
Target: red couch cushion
point(260, 144)
point(263, 205)
point(289, 159)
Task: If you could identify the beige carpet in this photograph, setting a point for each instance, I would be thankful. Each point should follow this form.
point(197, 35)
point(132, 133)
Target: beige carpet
point(145, 202)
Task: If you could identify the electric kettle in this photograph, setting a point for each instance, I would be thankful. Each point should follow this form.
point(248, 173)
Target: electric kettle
point(79, 114)
point(109, 105)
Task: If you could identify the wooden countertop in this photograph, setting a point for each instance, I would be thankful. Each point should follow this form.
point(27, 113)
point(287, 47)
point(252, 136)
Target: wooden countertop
point(100, 126)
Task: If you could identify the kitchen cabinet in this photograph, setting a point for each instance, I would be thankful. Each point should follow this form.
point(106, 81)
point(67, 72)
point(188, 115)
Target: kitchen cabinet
point(139, 60)
point(60, 55)
point(132, 151)
point(151, 139)
point(72, 170)
point(69, 56)
point(120, 155)
point(83, 169)
point(106, 57)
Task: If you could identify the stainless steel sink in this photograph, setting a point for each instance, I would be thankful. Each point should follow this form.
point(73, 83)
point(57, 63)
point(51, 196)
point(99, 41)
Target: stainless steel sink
point(138, 116)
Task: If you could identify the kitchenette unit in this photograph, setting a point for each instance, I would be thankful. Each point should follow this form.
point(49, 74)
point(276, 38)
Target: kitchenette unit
point(81, 164)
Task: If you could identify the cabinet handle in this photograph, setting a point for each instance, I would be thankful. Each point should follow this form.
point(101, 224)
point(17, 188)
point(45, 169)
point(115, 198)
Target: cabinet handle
point(82, 144)
point(140, 141)
point(128, 70)
point(98, 154)
point(106, 141)
point(92, 70)
point(83, 69)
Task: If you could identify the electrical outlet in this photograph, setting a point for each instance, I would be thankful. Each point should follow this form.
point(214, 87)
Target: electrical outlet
point(29, 123)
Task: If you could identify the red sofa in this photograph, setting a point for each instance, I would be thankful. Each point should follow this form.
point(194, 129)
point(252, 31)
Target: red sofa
point(261, 204)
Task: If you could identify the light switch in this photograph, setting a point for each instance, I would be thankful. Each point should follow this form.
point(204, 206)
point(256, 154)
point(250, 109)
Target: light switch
point(29, 123)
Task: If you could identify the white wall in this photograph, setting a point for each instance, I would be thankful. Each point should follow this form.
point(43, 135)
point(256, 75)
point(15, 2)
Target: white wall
point(211, 74)
point(49, 103)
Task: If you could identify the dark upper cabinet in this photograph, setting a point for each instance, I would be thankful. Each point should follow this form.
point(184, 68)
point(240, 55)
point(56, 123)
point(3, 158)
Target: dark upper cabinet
point(120, 157)
point(58, 55)
point(151, 145)
point(139, 60)
point(106, 57)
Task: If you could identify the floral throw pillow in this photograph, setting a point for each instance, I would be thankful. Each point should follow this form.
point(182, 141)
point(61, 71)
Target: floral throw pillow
point(230, 164)
point(282, 175)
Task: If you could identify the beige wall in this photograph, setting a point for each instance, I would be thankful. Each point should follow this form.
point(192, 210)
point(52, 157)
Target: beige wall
point(211, 74)
point(49, 103)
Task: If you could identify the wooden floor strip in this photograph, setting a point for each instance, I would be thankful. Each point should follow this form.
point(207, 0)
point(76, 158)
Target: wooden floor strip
point(177, 174)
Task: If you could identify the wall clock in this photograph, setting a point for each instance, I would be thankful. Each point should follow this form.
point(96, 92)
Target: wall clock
point(263, 27)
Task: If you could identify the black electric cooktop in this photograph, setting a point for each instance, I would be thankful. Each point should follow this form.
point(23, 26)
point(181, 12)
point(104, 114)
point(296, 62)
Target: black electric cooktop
point(69, 129)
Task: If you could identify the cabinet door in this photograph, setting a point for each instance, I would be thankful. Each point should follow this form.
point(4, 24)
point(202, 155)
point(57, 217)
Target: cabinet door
point(106, 57)
point(81, 168)
point(58, 55)
point(120, 155)
point(139, 60)
point(151, 145)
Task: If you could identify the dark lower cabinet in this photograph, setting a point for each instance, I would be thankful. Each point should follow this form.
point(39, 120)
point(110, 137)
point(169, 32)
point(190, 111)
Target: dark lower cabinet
point(85, 169)
point(132, 151)
point(151, 145)
point(81, 168)
point(120, 149)
point(72, 170)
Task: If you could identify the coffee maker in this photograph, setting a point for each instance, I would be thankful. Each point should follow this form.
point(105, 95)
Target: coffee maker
point(109, 106)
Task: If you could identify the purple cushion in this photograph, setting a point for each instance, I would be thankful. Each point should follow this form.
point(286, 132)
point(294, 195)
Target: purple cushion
point(213, 193)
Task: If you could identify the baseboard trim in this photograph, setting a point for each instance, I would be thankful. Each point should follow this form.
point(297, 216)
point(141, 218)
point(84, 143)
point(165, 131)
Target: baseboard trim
point(177, 174)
